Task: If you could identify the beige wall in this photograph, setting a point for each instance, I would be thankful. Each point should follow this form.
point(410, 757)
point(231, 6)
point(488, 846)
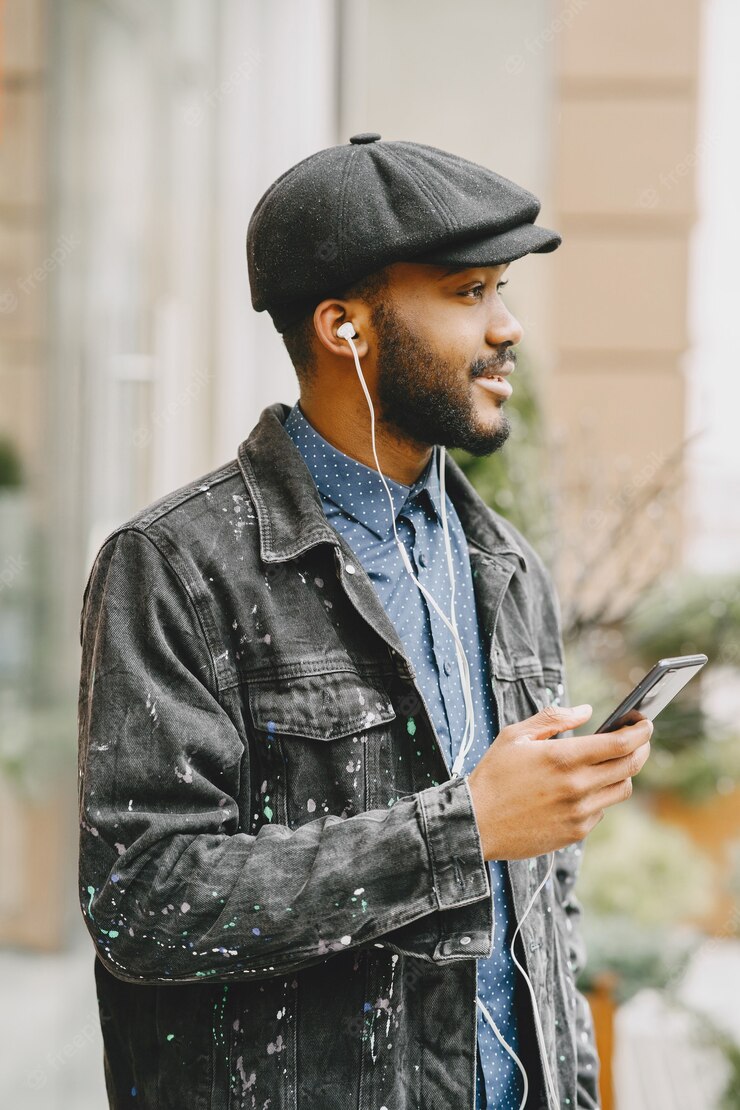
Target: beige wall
point(625, 153)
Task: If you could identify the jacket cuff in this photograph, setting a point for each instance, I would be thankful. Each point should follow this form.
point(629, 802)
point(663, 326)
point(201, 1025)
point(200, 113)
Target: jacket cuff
point(459, 870)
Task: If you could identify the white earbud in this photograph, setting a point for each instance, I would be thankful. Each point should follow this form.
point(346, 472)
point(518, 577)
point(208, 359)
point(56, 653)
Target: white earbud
point(347, 331)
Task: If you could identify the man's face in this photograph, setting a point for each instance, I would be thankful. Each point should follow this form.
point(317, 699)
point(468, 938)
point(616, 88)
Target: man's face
point(437, 334)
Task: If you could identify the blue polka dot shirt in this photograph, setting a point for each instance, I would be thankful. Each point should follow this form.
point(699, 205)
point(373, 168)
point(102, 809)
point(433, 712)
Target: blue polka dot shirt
point(356, 504)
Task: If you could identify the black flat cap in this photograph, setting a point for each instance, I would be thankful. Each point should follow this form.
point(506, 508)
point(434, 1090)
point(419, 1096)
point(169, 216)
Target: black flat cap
point(350, 210)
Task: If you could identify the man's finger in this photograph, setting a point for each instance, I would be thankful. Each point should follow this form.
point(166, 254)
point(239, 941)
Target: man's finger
point(606, 745)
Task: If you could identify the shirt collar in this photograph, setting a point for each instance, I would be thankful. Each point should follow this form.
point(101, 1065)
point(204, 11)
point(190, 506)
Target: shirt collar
point(357, 489)
point(290, 515)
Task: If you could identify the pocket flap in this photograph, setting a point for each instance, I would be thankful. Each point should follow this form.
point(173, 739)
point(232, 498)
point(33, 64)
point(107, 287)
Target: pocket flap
point(319, 706)
point(516, 665)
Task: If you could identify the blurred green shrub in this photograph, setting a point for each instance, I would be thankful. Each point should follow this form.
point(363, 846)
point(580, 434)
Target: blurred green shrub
point(645, 869)
point(640, 878)
point(11, 473)
point(689, 613)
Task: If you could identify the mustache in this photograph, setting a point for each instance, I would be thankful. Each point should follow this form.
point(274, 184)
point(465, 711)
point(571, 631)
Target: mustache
point(483, 366)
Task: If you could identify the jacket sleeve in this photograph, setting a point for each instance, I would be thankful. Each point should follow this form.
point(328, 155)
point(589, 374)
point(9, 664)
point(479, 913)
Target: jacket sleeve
point(565, 873)
point(171, 888)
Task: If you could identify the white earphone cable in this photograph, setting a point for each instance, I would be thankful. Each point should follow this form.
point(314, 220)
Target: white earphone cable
point(466, 685)
point(402, 549)
point(467, 740)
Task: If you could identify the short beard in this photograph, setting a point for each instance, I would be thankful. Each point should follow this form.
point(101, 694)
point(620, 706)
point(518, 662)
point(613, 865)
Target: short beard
point(422, 397)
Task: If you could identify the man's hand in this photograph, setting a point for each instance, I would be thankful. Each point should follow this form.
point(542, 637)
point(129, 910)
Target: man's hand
point(533, 793)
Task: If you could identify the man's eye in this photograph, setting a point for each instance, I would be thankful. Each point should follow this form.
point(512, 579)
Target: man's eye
point(478, 289)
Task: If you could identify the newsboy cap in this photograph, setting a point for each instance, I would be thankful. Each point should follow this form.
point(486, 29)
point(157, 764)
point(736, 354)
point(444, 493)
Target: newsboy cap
point(350, 210)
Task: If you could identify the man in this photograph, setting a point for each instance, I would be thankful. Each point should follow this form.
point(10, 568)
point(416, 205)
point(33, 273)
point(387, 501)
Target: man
point(294, 901)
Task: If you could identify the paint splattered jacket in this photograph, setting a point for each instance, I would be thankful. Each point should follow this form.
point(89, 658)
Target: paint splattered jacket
point(287, 897)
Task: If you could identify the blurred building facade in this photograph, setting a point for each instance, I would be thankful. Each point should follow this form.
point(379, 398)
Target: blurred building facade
point(136, 140)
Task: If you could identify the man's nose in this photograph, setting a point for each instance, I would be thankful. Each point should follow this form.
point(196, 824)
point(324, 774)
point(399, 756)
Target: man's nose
point(503, 327)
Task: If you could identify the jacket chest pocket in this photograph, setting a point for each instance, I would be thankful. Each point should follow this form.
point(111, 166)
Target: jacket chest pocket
point(314, 735)
point(524, 685)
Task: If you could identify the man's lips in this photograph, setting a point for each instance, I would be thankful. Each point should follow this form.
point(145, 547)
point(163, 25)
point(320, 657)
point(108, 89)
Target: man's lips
point(494, 382)
point(499, 371)
point(498, 386)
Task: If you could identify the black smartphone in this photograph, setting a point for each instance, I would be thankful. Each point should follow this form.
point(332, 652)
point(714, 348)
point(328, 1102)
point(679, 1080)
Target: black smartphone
point(654, 691)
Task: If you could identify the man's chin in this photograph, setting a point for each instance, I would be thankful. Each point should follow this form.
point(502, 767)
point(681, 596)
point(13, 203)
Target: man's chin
point(446, 425)
point(480, 441)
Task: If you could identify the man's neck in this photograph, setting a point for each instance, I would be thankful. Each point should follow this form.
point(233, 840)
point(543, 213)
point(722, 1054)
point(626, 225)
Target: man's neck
point(350, 433)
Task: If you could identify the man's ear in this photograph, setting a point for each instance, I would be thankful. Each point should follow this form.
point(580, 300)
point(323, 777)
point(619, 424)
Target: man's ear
point(329, 316)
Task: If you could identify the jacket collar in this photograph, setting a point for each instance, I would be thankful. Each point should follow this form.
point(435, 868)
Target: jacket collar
point(290, 513)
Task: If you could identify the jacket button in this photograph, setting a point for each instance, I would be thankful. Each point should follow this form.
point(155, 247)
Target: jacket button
point(349, 568)
point(464, 940)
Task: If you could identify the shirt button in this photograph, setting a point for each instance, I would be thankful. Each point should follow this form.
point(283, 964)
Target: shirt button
point(422, 559)
point(349, 568)
point(447, 666)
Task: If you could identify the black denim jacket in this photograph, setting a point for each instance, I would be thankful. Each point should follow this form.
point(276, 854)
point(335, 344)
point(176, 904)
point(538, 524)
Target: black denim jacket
point(285, 890)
